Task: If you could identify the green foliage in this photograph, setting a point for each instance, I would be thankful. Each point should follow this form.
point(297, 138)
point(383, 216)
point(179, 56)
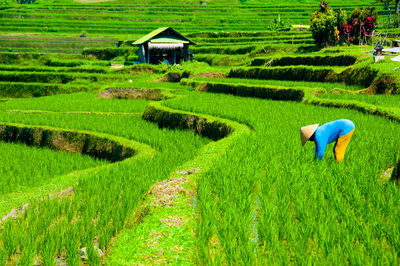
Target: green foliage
point(330, 27)
point(362, 23)
point(25, 1)
point(324, 24)
point(277, 24)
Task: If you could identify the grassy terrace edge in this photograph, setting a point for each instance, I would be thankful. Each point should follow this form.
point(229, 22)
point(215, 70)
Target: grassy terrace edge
point(148, 215)
point(246, 90)
point(99, 145)
point(204, 125)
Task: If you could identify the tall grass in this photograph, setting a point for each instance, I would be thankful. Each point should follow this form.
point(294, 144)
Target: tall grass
point(286, 83)
point(381, 100)
point(306, 211)
point(78, 102)
point(22, 167)
point(103, 200)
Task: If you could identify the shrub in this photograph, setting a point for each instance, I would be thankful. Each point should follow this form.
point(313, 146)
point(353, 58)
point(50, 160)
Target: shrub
point(325, 23)
point(362, 23)
point(52, 29)
point(330, 27)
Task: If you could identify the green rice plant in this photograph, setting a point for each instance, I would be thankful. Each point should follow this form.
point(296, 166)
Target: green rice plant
point(337, 60)
point(285, 83)
point(104, 198)
point(28, 248)
point(245, 90)
point(93, 257)
point(361, 74)
point(48, 249)
point(36, 166)
point(379, 100)
point(24, 90)
point(72, 246)
point(77, 102)
point(307, 211)
point(10, 239)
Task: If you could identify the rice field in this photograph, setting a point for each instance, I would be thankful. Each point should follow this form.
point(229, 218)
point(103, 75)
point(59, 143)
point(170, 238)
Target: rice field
point(209, 172)
point(24, 167)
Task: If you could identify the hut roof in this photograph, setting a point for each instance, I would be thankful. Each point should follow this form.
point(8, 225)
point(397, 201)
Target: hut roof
point(176, 37)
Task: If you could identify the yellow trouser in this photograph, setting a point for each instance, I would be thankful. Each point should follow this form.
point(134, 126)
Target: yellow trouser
point(341, 145)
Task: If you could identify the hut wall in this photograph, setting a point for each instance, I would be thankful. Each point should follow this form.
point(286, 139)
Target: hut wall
point(142, 54)
point(186, 52)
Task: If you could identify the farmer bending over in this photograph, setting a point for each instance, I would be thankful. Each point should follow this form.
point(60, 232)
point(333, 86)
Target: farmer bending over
point(339, 130)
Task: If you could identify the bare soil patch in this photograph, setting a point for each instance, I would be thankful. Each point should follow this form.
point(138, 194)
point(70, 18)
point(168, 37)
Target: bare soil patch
point(131, 93)
point(116, 66)
point(211, 75)
point(167, 191)
point(386, 175)
point(173, 221)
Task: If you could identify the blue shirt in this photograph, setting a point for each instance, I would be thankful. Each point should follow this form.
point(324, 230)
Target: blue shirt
point(330, 132)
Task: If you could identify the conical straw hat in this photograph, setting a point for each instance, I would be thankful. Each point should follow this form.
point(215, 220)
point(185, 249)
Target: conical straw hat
point(306, 132)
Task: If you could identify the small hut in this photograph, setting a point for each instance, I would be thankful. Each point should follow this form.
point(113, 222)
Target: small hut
point(163, 44)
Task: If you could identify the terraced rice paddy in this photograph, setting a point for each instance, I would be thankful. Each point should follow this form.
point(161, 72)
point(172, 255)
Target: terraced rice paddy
point(23, 167)
point(212, 170)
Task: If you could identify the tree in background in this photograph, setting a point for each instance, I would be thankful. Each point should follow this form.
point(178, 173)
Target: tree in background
point(386, 4)
point(332, 27)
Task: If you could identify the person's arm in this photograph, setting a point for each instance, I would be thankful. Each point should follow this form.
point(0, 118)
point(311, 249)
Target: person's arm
point(320, 147)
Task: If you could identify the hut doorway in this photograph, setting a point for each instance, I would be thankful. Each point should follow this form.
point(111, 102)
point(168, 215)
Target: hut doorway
point(170, 53)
